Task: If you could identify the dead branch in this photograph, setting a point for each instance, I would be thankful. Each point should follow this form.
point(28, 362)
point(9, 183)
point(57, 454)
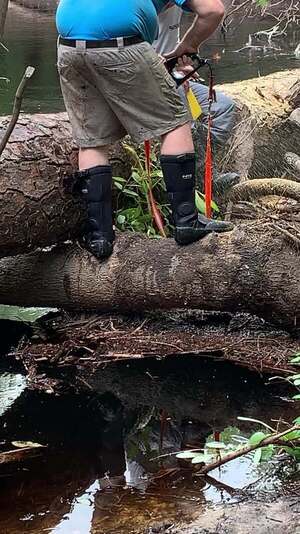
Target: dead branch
point(17, 107)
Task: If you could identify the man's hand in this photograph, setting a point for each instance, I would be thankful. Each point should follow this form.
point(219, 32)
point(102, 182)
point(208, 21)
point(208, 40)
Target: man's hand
point(181, 49)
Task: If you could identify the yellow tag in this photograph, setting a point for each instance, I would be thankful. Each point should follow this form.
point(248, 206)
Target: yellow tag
point(194, 105)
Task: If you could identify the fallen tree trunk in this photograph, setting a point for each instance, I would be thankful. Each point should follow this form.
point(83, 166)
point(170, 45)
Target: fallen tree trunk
point(263, 132)
point(34, 210)
point(249, 269)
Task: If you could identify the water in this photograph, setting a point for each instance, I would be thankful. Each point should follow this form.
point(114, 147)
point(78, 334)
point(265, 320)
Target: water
point(101, 474)
point(31, 40)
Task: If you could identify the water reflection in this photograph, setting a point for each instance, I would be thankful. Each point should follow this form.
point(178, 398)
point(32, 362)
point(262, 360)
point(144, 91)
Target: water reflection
point(11, 387)
point(110, 466)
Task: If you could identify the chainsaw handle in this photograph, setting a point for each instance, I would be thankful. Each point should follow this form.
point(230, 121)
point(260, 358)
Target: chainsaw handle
point(171, 63)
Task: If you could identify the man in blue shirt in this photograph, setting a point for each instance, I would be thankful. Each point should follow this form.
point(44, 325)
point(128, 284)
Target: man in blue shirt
point(114, 83)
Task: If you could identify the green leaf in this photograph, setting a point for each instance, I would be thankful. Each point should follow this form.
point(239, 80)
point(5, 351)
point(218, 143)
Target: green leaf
point(297, 382)
point(119, 179)
point(257, 456)
point(297, 421)
point(130, 192)
point(295, 377)
point(121, 219)
point(157, 173)
point(118, 186)
point(296, 397)
point(295, 434)
point(256, 438)
point(27, 315)
point(136, 177)
point(215, 445)
point(296, 359)
point(267, 453)
point(201, 459)
point(200, 204)
point(262, 3)
point(215, 206)
point(186, 455)
point(294, 452)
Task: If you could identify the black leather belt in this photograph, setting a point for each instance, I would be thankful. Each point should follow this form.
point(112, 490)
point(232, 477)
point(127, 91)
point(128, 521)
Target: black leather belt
point(108, 43)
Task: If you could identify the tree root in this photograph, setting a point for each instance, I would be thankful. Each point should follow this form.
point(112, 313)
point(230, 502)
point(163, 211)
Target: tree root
point(253, 189)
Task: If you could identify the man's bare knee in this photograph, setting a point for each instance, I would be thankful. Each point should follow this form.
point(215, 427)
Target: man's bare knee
point(178, 141)
point(91, 157)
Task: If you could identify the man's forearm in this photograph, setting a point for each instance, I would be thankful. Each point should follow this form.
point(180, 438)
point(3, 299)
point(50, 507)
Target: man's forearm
point(209, 15)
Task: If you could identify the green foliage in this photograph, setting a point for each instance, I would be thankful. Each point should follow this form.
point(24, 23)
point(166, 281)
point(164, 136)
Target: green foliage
point(262, 3)
point(296, 359)
point(232, 440)
point(256, 438)
point(133, 211)
point(27, 315)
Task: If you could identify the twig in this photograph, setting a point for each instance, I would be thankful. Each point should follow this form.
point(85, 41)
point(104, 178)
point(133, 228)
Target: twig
point(17, 107)
point(245, 450)
point(287, 234)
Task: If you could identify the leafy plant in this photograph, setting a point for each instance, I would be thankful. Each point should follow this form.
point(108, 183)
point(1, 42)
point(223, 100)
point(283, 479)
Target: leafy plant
point(132, 197)
point(262, 445)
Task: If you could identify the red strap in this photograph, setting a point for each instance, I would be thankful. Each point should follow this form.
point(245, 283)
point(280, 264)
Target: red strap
point(156, 215)
point(208, 172)
point(147, 145)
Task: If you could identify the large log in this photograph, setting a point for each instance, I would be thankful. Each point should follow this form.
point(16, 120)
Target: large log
point(33, 208)
point(253, 269)
point(263, 132)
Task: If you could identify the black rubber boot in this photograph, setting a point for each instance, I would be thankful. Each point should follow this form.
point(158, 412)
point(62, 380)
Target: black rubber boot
point(190, 226)
point(95, 185)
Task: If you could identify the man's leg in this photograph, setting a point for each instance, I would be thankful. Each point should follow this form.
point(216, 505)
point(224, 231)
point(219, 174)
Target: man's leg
point(91, 157)
point(223, 118)
point(85, 104)
point(178, 166)
point(222, 111)
point(95, 179)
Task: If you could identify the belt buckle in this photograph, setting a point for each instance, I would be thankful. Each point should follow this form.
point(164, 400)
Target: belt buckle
point(120, 42)
point(80, 44)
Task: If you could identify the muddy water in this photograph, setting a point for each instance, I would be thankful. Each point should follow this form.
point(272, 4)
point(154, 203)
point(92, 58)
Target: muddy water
point(101, 473)
point(31, 40)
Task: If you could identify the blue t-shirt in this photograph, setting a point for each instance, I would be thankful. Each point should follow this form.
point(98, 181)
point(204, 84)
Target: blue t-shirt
point(107, 19)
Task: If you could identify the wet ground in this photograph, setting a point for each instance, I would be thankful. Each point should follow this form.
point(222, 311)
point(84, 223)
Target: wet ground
point(103, 471)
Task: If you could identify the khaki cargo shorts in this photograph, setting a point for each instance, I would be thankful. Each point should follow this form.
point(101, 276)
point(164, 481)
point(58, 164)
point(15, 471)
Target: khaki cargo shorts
point(109, 92)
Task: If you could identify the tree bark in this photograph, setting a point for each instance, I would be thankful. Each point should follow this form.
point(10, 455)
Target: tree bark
point(36, 212)
point(251, 269)
point(34, 209)
point(262, 134)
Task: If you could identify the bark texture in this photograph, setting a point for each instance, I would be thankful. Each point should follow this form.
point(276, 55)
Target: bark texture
point(249, 269)
point(34, 209)
point(263, 133)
